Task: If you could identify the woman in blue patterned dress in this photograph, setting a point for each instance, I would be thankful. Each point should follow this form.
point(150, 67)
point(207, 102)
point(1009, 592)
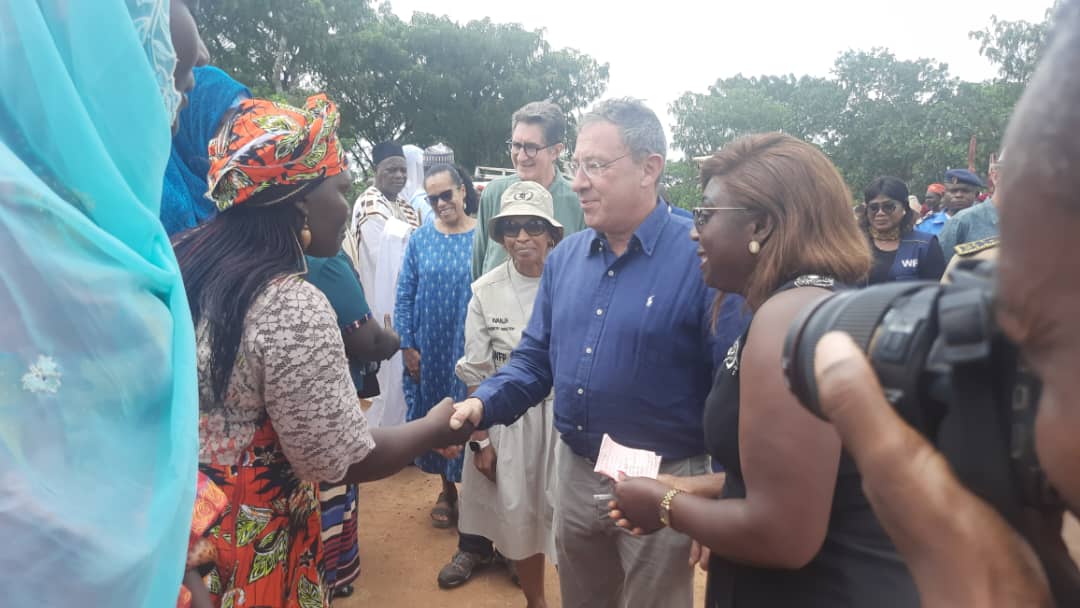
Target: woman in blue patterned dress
point(432, 298)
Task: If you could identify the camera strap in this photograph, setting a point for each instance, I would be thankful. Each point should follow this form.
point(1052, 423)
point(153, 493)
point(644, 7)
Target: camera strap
point(974, 437)
point(975, 434)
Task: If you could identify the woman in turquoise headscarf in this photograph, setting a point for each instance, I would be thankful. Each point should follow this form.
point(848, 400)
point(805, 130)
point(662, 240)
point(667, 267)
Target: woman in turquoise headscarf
point(184, 203)
point(98, 390)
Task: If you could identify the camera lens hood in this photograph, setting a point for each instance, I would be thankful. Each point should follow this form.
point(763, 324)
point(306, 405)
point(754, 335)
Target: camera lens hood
point(857, 313)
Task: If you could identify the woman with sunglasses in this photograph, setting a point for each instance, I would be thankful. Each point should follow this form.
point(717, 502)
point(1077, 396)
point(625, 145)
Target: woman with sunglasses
point(901, 253)
point(429, 314)
point(787, 523)
point(507, 468)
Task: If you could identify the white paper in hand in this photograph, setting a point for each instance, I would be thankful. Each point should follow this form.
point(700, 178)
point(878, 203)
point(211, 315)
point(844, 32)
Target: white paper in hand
point(615, 458)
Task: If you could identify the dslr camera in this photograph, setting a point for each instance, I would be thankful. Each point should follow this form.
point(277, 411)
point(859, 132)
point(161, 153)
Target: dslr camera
point(949, 372)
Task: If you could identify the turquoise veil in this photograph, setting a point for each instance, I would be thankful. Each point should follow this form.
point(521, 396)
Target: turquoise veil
point(98, 388)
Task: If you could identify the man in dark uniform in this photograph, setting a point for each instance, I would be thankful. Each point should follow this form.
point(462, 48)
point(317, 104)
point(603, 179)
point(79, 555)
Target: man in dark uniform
point(976, 223)
point(982, 249)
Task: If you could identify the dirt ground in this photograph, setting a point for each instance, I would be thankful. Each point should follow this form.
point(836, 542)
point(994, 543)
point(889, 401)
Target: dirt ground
point(401, 553)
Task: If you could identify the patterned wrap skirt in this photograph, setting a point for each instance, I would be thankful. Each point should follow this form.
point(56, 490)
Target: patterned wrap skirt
point(269, 542)
point(341, 547)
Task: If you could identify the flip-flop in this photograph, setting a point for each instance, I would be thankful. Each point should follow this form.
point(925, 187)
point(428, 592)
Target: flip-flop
point(345, 591)
point(445, 514)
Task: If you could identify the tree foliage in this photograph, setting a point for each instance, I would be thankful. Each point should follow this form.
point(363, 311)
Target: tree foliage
point(681, 185)
point(739, 105)
point(876, 114)
point(426, 80)
point(885, 123)
point(1014, 46)
point(275, 47)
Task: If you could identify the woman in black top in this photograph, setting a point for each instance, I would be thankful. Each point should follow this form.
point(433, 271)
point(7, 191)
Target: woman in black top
point(792, 527)
point(901, 253)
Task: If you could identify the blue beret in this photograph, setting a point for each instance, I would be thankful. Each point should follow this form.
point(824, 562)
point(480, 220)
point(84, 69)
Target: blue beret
point(963, 176)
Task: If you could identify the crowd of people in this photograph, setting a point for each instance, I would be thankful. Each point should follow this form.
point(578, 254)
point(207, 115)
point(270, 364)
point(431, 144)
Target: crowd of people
point(209, 348)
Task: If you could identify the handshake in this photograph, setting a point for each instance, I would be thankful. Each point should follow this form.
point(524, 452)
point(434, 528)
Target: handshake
point(452, 423)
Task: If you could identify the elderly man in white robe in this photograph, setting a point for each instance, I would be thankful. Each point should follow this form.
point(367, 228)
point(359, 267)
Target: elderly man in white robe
point(382, 223)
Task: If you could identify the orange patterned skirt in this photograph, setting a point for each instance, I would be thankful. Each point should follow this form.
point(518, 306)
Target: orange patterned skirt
point(269, 547)
point(210, 503)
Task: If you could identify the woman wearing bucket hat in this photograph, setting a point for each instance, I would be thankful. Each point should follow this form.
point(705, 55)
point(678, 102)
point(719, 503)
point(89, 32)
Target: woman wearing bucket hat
point(506, 472)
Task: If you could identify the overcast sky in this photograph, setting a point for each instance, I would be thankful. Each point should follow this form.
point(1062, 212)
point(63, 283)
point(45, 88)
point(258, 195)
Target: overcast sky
point(657, 50)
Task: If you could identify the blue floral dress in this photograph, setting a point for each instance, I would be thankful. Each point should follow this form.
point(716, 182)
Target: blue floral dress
point(433, 296)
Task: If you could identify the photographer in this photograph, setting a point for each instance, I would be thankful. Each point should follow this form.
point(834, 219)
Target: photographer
point(959, 549)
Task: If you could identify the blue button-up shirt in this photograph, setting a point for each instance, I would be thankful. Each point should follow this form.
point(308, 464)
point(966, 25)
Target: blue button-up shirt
point(625, 341)
point(933, 223)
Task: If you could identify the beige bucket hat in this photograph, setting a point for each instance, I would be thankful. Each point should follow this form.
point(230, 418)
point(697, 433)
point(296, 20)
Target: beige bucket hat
point(526, 198)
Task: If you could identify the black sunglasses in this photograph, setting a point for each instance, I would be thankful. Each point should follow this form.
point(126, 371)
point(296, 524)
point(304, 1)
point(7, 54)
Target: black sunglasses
point(446, 195)
point(888, 207)
point(533, 227)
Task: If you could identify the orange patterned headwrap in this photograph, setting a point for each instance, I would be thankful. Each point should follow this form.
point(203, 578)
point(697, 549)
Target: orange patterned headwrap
point(936, 189)
point(267, 145)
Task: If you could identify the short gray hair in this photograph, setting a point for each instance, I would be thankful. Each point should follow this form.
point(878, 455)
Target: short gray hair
point(548, 115)
point(639, 127)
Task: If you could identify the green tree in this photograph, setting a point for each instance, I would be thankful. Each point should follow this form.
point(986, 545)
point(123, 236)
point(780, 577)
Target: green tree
point(884, 125)
point(1014, 46)
point(430, 79)
point(459, 83)
point(876, 115)
point(681, 183)
point(974, 109)
point(739, 105)
point(275, 48)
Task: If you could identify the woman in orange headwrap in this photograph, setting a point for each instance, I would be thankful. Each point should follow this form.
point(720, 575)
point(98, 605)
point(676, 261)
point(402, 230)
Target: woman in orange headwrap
point(935, 194)
point(277, 407)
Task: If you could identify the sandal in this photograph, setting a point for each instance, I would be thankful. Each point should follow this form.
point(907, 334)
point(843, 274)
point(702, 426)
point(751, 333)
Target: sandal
point(511, 569)
point(344, 591)
point(445, 514)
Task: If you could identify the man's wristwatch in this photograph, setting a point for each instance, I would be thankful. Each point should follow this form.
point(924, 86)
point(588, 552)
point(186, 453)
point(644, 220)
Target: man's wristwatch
point(476, 446)
point(665, 506)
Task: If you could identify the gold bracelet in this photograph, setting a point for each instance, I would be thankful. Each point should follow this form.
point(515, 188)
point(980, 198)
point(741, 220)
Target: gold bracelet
point(665, 506)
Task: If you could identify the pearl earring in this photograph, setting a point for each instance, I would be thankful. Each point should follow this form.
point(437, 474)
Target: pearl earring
point(755, 247)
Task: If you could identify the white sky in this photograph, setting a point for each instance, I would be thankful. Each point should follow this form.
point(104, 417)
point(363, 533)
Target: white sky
point(657, 50)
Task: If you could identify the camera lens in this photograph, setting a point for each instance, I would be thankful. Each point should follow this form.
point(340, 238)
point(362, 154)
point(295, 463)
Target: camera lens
point(860, 315)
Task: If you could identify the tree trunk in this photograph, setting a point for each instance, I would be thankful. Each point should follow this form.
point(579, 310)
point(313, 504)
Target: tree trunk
point(281, 62)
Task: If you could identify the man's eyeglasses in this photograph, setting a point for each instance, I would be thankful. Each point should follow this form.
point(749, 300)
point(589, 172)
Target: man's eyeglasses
point(533, 227)
point(531, 149)
point(446, 195)
point(888, 207)
point(592, 168)
point(703, 214)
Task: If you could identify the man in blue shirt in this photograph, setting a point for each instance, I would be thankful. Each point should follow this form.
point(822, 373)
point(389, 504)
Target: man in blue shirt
point(962, 188)
point(621, 328)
